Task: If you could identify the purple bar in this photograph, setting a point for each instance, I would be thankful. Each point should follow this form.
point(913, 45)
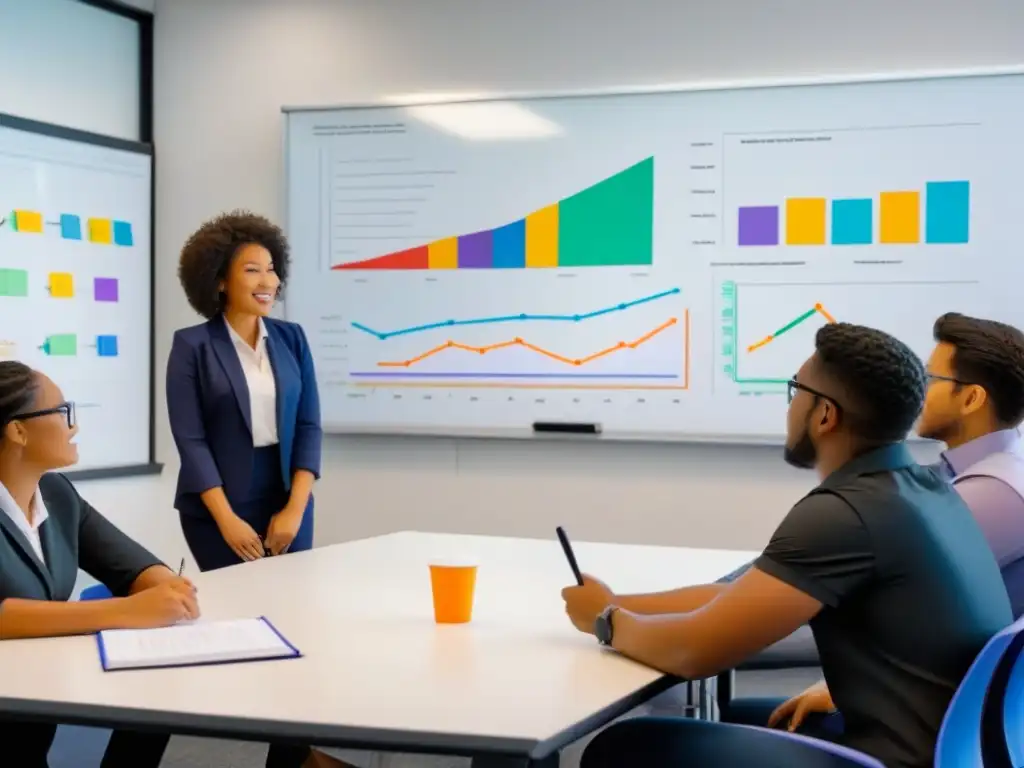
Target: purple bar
point(476, 251)
point(759, 225)
point(105, 288)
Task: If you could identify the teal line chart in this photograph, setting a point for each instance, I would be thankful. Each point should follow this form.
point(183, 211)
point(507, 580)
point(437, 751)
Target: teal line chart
point(516, 318)
point(731, 342)
point(400, 369)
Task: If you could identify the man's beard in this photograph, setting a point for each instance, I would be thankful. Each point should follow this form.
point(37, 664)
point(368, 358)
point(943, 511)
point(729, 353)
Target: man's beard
point(803, 454)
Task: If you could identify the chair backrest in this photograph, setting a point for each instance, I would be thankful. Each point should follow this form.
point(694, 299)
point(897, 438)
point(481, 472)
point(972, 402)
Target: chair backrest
point(1013, 710)
point(960, 735)
point(95, 592)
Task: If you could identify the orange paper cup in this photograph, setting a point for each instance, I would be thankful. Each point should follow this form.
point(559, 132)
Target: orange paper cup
point(453, 586)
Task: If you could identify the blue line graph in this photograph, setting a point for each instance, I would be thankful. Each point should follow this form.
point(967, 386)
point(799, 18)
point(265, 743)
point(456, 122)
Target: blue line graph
point(515, 318)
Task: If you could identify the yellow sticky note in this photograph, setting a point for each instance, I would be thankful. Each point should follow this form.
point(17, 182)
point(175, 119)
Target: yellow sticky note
point(28, 221)
point(62, 285)
point(101, 231)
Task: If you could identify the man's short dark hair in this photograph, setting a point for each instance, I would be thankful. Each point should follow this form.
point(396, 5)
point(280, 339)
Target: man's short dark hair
point(991, 355)
point(881, 380)
point(208, 253)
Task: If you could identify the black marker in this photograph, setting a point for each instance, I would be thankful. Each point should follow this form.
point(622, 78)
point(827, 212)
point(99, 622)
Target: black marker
point(569, 555)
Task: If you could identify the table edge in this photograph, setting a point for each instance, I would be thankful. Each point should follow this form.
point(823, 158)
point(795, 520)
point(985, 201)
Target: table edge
point(317, 734)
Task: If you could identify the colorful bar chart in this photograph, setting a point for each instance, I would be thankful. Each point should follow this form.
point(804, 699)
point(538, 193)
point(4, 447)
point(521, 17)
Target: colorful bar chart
point(609, 224)
point(938, 215)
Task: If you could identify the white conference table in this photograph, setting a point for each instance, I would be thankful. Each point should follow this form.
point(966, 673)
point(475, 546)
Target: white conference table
point(511, 688)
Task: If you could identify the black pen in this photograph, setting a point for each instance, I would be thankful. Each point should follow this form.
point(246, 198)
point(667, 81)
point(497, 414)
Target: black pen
point(181, 568)
point(563, 539)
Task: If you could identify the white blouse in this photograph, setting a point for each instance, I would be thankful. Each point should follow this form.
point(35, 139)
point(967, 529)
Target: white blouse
point(30, 530)
point(259, 377)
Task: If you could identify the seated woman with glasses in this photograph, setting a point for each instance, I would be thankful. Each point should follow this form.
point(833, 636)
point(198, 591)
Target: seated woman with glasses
point(48, 532)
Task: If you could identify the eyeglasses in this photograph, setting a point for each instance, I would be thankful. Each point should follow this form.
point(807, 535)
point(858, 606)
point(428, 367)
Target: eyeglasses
point(793, 386)
point(950, 379)
point(68, 409)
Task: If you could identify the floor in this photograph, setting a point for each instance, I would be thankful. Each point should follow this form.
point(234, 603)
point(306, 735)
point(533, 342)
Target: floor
point(82, 747)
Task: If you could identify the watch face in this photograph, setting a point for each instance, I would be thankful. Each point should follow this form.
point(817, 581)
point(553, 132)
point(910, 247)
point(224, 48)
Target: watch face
point(603, 629)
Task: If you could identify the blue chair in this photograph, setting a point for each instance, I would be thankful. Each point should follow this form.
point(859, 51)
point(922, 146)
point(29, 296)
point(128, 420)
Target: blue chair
point(959, 745)
point(960, 738)
point(1013, 707)
point(77, 746)
point(701, 742)
point(95, 592)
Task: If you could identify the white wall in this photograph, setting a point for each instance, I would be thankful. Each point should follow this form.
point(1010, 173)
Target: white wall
point(225, 67)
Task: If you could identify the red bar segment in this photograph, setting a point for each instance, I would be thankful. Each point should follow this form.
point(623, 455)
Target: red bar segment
point(413, 258)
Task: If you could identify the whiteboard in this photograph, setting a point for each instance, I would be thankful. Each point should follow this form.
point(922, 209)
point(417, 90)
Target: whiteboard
point(655, 263)
point(75, 281)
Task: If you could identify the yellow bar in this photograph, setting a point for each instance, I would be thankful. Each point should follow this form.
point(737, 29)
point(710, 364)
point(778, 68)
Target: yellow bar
point(101, 231)
point(805, 221)
point(542, 237)
point(900, 219)
point(443, 254)
point(28, 221)
point(62, 285)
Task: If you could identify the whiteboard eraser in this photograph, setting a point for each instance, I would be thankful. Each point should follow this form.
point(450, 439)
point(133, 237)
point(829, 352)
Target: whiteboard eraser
point(566, 428)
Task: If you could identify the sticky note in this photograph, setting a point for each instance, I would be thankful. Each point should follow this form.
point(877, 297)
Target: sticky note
point(105, 288)
point(64, 344)
point(70, 226)
point(106, 346)
point(123, 233)
point(13, 282)
point(62, 285)
point(101, 231)
point(28, 221)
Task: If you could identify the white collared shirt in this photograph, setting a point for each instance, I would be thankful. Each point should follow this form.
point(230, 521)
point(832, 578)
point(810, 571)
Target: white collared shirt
point(30, 529)
point(259, 377)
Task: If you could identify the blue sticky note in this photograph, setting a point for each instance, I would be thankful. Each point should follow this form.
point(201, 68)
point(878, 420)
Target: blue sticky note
point(106, 346)
point(70, 226)
point(123, 233)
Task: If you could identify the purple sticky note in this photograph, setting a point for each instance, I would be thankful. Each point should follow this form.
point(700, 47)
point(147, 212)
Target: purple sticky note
point(105, 288)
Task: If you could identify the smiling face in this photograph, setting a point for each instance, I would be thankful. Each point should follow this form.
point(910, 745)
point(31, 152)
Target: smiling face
point(251, 283)
point(44, 433)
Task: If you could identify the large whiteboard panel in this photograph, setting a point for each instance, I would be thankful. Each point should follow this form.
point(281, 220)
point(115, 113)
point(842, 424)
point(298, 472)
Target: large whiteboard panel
point(75, 291)
point(655, 263)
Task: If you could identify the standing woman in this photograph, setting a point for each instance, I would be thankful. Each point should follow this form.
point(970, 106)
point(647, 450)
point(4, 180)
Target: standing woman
point(242, 400)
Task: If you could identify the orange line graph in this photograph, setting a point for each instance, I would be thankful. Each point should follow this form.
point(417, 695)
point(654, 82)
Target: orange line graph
point(520, 342)
point(554, 356)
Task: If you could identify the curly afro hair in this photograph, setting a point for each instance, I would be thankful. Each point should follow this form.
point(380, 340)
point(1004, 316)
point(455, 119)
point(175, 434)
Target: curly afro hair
point(208, 253)
point(883, 381)
point(991, 355)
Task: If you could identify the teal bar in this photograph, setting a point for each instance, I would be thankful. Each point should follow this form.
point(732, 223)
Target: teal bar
point(851, 221)
point(947, 212)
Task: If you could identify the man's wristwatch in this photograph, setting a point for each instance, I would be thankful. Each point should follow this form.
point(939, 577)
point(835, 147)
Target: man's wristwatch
point(603, 628)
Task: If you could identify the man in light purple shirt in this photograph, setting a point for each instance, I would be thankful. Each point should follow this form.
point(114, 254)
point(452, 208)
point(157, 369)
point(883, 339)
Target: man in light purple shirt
point(974, 404)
